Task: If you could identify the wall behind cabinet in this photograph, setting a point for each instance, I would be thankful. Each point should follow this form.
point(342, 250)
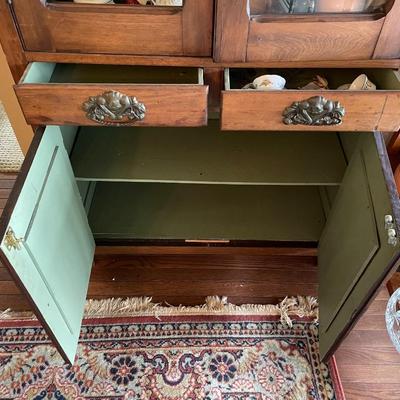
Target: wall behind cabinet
point(23, 132)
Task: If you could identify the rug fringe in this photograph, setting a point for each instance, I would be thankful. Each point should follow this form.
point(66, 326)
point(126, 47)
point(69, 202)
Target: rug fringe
point(214, 305)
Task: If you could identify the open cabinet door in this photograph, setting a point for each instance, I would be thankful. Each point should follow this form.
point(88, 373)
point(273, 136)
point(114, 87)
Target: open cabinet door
point(359, 246)
point(46, 241)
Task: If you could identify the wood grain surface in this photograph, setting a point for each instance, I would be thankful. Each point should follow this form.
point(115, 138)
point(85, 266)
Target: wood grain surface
point(255, 110)
point(206, 62)
point(368, 363)
point(61, 27)
point(388, 45)
point(61, 104)
point(10, 42)
point(344, 40)
point(231, 31)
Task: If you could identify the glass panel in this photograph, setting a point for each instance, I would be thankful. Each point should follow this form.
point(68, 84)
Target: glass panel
point(175, 3)
point(258, 7)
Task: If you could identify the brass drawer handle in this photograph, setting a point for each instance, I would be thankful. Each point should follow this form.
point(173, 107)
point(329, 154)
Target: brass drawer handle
point(315, 111)
point(114, 108)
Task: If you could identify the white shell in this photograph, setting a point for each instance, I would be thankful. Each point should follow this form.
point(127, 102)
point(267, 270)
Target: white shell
point(269, 82)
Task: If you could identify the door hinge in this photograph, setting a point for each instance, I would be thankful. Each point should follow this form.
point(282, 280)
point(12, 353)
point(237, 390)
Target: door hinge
point(391, 230)
point(11, 242)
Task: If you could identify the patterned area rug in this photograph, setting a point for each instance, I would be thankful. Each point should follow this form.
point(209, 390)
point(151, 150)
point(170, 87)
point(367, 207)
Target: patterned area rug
point(11, 156)
point(220, 353)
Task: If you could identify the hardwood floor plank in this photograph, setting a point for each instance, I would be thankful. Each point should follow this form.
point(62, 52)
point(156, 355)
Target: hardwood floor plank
point(4, 193)
point(4, 274)
point(389, 374)
point(359, 339)
point(6, 184)
point(199, 288)
point(371, 323)
point(377, 307)
point(16, 302)
point(203, 268)
point(9, 288)
point(7, 176)
point(371, 391)
point(366, 356)
point(383, 294)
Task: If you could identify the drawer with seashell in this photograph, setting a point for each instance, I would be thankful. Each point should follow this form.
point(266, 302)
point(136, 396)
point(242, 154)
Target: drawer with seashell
point(311, 99)
point(72, 94)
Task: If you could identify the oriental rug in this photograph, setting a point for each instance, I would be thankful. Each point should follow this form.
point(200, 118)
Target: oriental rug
point(214, 352)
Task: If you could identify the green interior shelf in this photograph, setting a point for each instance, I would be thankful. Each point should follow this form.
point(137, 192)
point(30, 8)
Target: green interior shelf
point(207, 155)
point(208, 212)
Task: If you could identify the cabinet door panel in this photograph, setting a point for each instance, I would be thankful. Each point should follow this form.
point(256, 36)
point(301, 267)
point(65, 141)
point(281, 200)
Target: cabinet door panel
point(349, 242)
point(355, 255)
point(47, 243)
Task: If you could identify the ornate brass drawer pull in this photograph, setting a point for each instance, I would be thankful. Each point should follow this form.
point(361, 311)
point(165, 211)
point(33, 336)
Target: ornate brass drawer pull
point(315, 111)
point(114, 108)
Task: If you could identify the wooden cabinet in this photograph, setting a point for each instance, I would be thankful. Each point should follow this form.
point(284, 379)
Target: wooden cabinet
point(59, 26)
point(253, 31)
point(135, 153)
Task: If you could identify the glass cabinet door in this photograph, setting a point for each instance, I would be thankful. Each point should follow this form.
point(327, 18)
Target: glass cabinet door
point(258, 7)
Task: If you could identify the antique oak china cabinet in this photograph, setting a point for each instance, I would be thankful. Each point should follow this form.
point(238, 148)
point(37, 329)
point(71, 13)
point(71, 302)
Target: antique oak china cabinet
point(149, 138)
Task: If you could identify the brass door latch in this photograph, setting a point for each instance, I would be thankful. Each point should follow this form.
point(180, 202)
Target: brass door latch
point(11, 241)
point(391, 230)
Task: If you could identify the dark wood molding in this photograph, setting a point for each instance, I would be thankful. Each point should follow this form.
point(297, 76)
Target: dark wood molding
point(231, 31)
point(388, 45)
point(196, 35)
point(206, 62)
point(10, 42)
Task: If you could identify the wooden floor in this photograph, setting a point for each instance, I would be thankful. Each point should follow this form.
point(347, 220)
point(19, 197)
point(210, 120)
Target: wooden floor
point(368, 364)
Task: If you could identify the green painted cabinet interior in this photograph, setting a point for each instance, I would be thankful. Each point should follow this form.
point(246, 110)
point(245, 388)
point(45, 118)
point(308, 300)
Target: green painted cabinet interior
point(354, 254)
point(199, 183)
point(54, 257)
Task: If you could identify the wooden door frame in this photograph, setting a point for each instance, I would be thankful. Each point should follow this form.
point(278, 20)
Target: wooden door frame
point(232, 21)
point(10, 42)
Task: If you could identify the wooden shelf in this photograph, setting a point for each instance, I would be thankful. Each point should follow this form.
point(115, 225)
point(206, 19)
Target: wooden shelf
point(207, 155)
point(206, 212)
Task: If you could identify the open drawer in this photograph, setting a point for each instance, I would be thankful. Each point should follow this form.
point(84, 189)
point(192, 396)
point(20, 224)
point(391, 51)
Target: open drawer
point(308, 110)
point(65, 27)
point(199, 183)
point(75, 94)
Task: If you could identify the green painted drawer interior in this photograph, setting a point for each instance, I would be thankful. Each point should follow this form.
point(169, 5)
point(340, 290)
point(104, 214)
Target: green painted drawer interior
point(202, 184)
point(41, 72)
